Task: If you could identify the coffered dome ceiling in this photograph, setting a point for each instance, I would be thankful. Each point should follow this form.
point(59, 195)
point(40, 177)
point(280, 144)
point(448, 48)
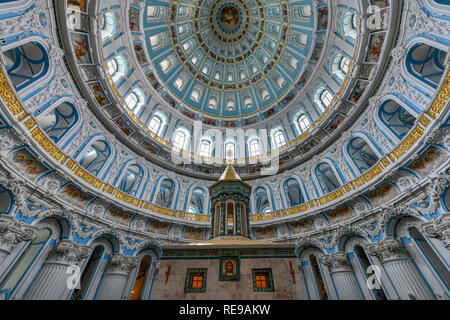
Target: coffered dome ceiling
point(229, 59)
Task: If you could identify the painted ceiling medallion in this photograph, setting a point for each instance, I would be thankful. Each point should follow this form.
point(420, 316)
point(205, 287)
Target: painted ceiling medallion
point(229, 17)
point(228, 58)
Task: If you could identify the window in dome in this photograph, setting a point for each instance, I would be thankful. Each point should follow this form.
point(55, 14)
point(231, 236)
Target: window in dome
point(323, 98)
point(26, 64)
point(156, 13)
point(205, 148)
point(340, 66)
point(248, 103)
point(166, 193)
point(253, 146)
point(293, 193)
point(396, 118)
point(155, 41)
point(109, 25)
point(135, 100)
point(230, 75)
point(179, 139)
point(230, 105)
point(195, 95)
point(167, 64)
point(265, 95)
point(179, 83)
point(349, 22)
point(326, 177)
point(116, 68)
point(212, 103)
point(361, 154)
point(302, 123)
point(260, 200)
point(278, 138)
point(132, 180)
point(198, 201)
point(218, 75)
point(157, 123)
point(426, 63)
point(96, 157)
point(58, 122)
point(280, 81)
point(230, 150)
point(242, 74)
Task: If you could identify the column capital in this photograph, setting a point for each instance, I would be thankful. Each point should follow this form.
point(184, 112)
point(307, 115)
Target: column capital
point(13, 231)
point(337, 262)
point(68, 252)
point(438, 229)
point(122, 264)
point(388, 249)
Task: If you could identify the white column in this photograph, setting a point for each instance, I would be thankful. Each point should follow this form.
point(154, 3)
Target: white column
point(401, 270)
point(343, 277)
point(51, 282)
point(115, 279)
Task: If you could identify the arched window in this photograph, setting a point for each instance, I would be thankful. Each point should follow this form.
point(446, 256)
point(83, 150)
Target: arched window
point(253, 147)
point(140, 283)
point(180, 139)
point(323, 98)
point(132, 179)
point(278, 138)
point(109, 25)
point(349, 23)
point(58, 122)
point(340, 66)
point(396, 118)
point(326, 177)
point(318, 277)
point(157, 123)
point(116, 68)
point(261, 200)
point(95, 157)
point(26, 64)
point(88, 273)
point(197, 202)
point(293, 193)
point(205, 147)
point(230, 150)
point(302, 123)
point(23, 264)
point(166, 193)
point(426, 63)
point(361, 154)
point(135, 100)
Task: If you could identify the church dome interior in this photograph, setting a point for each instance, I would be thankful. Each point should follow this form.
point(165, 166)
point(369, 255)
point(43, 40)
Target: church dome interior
point(224, 149)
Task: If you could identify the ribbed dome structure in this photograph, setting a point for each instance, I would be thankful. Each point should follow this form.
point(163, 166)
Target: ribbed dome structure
point(317, 127)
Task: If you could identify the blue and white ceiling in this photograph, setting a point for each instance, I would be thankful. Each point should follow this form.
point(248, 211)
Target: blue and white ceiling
point(228, 58)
